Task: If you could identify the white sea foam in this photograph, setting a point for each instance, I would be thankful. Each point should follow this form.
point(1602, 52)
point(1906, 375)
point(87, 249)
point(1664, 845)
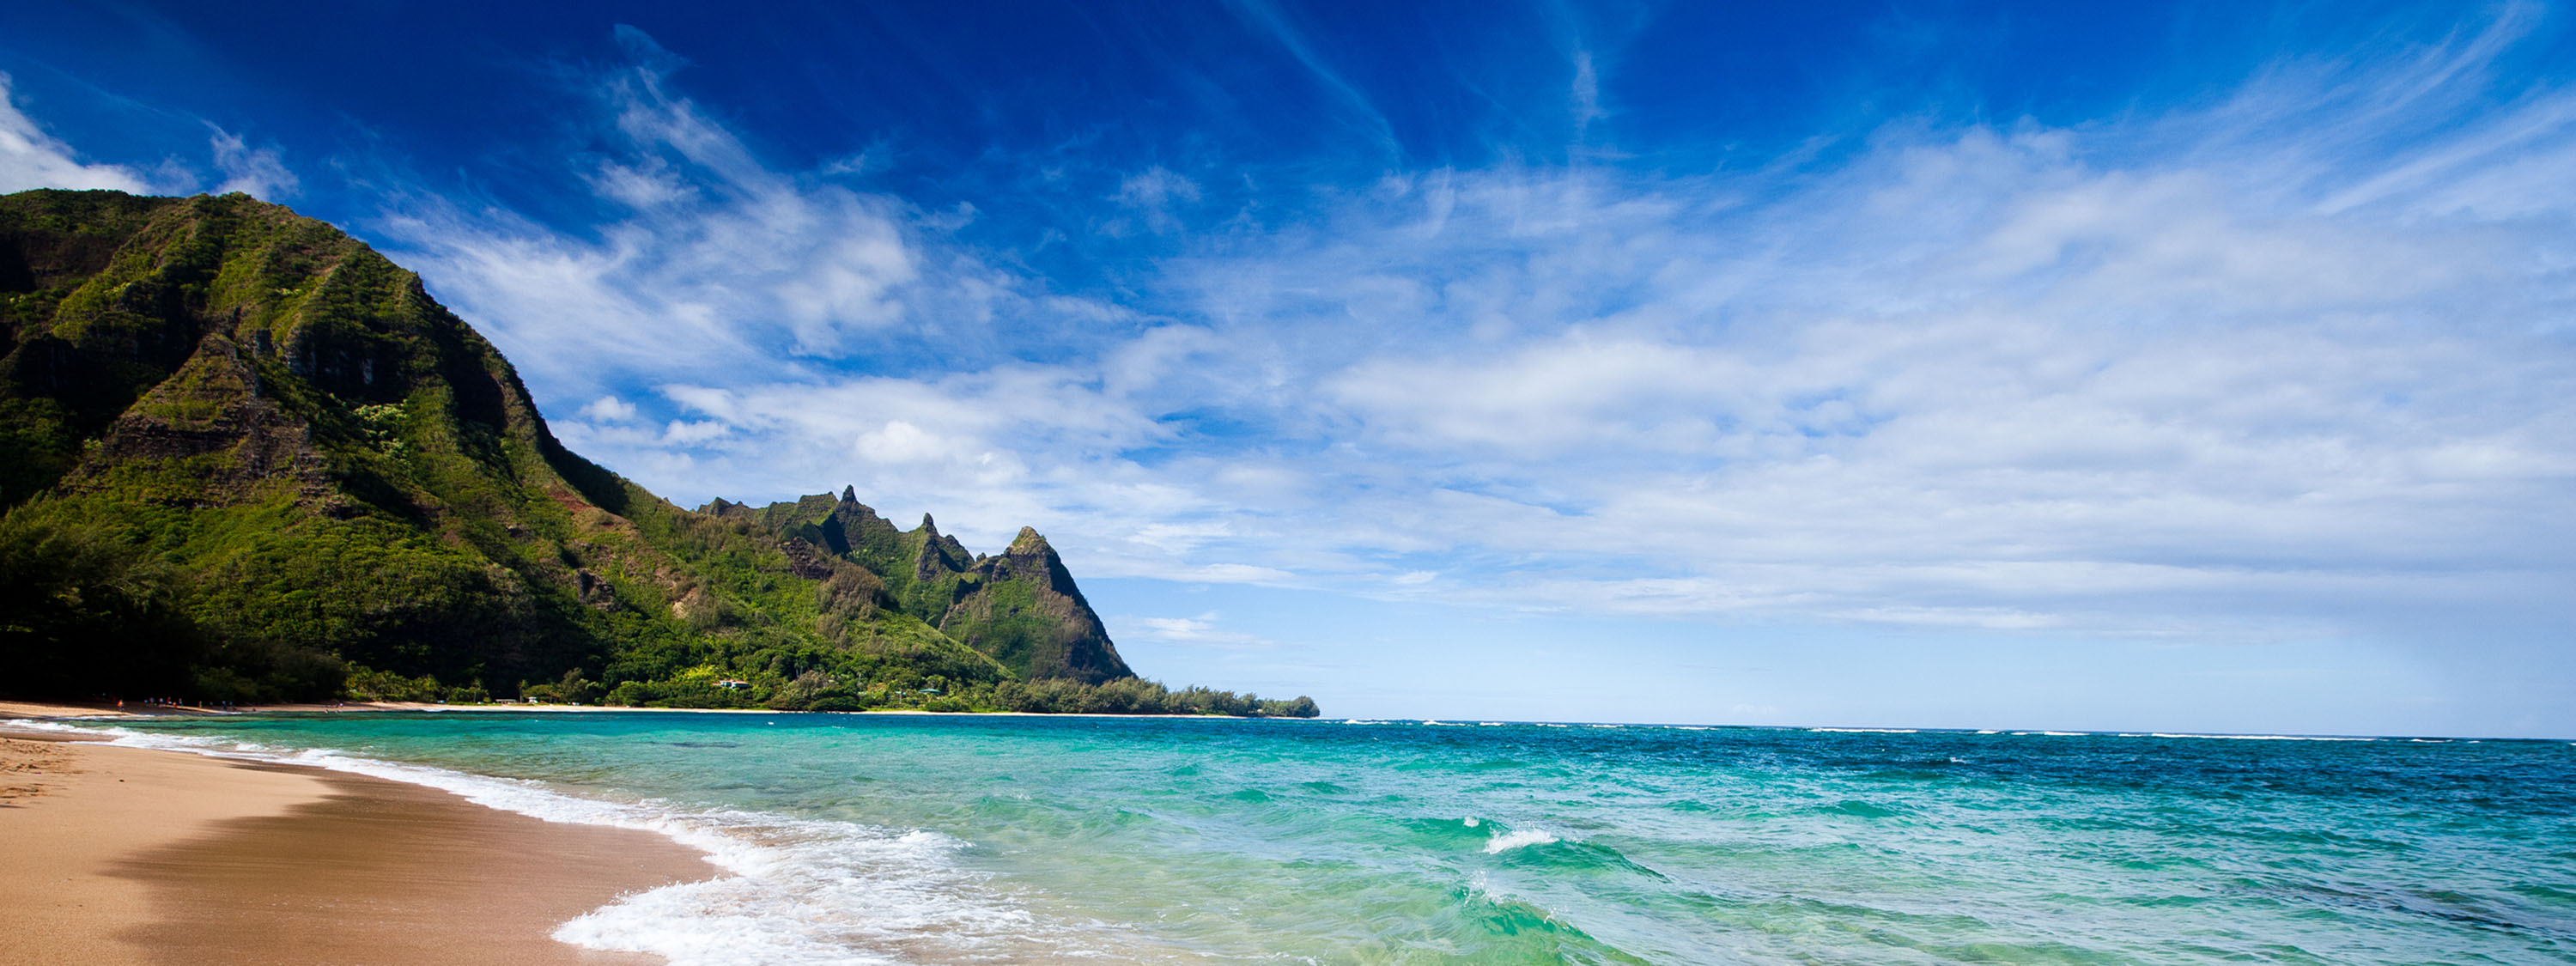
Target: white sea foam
point(1869, 731)
point(1517, 838)
point(798, 890)
point(2161, 734)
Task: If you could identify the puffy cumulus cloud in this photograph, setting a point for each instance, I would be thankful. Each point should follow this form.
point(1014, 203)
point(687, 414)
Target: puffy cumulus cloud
point(30, 158)
point(608, 409)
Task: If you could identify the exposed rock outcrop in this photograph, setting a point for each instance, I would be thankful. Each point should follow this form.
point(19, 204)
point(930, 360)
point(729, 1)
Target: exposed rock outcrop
point(1020, 607)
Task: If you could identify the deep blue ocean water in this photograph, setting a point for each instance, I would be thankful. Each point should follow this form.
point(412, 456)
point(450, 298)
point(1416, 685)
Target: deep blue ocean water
point(887, 838)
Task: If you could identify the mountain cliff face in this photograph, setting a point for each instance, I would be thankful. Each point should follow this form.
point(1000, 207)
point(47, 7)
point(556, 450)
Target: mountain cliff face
point(1019, 607)
point(244, 456)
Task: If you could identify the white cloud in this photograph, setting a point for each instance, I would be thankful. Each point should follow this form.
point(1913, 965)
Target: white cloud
point(1156, 188)
point(1155, 193)
point(608, 409)
point(1585, 99)
point(692, 432)
point(1994, 378)
point(1200, 631)
point(650, 183)
point(2241, 373)
point(30, 158)
point(715, 262)
point(258, 172)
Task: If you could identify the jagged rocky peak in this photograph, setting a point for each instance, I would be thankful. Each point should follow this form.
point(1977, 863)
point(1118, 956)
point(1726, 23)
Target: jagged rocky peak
point(1019, 607)
point(1030, 542)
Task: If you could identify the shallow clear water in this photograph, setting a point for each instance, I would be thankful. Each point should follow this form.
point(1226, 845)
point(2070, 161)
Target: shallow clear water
point(917, 838)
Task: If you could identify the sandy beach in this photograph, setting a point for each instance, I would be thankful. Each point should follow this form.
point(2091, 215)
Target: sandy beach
point(124, 855)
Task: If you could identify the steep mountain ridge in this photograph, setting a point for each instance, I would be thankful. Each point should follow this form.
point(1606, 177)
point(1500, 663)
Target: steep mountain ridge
point(1020, 606)
point(247, 457)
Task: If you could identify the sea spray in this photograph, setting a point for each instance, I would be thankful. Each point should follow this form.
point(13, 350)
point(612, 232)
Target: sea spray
point(1507, 841)
point(793, 891)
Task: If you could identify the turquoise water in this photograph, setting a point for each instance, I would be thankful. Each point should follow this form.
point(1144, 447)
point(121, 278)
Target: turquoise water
point(949, 838)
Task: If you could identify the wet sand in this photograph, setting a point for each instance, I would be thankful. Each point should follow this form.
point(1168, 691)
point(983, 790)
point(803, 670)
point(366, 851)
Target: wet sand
point(124, 855)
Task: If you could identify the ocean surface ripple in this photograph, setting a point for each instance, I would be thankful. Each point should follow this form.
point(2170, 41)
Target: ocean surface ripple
point(897, 839)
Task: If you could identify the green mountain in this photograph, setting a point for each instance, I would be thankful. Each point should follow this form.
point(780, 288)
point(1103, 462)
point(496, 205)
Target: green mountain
point(1019, 607)
point(245, 457)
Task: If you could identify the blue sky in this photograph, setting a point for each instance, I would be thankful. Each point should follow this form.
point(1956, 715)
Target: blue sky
point(2189, 367)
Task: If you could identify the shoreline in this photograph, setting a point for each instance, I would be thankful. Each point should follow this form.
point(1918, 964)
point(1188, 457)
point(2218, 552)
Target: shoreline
point(43, 710)
point(115, 854)
point(53, 710)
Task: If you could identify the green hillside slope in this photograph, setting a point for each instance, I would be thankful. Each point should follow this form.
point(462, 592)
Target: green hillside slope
point(244, 457)
point(1020, 607)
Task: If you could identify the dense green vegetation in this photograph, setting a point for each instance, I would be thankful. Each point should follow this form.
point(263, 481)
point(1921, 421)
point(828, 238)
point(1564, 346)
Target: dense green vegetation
point(249, 459)
point(81, 611)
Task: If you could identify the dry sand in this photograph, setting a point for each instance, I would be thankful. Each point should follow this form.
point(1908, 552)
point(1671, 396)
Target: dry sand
point(24, 709)
point(124, 855)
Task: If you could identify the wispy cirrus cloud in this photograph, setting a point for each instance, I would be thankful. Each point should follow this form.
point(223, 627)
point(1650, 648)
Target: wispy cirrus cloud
point(260, 172)
point(2281, 365)
point(1204, 630)
point(706, 260)
point(32, 158)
